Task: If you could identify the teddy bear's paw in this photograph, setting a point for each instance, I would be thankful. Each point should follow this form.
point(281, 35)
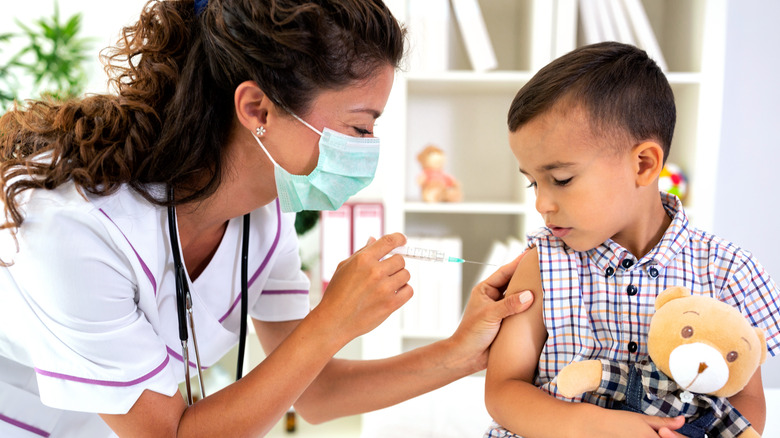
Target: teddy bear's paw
point(579, 377)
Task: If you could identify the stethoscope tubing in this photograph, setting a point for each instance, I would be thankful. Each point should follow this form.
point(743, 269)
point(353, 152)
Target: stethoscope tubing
point(184, 302)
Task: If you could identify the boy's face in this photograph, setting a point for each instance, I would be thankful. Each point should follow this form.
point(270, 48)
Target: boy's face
point(585, 187)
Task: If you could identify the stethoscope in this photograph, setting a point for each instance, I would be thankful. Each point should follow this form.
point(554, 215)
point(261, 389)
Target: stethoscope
point(184, 302)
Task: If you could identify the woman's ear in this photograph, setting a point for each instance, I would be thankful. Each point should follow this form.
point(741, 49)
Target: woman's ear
point(252, 105)
point(649, 161)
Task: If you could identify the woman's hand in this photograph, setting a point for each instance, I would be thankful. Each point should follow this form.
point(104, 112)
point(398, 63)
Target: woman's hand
point(485, 310)
point(366, 289)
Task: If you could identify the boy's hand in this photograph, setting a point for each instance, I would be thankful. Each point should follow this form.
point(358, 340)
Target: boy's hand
point(610, 422)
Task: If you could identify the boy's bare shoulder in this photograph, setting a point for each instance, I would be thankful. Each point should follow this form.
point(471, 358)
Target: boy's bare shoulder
point(526, 276)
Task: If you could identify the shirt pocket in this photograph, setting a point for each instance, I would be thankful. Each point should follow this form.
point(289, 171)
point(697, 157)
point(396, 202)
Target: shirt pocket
point(22, 415)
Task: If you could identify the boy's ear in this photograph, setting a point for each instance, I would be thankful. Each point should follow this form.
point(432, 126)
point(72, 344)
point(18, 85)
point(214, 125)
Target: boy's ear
point(649, 161)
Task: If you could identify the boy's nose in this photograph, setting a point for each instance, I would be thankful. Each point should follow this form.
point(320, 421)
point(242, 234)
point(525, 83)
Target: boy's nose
point(544, 203)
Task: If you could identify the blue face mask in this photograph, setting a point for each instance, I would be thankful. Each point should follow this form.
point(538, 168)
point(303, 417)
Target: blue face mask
point(345, 166)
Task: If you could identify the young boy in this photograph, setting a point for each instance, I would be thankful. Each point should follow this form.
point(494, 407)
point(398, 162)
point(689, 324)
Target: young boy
point(591, 132)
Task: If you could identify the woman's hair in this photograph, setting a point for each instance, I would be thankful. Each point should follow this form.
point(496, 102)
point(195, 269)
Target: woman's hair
point(175, 73)
point(622, 90)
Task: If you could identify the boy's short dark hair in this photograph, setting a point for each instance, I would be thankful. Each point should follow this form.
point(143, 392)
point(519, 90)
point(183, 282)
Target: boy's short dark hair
point(618, 85)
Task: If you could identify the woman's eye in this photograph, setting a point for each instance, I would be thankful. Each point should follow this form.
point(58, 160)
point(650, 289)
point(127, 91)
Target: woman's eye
point(562, 182)
point(362, 131)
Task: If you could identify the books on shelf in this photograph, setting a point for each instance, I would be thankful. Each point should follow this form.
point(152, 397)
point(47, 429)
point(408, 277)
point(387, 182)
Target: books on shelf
point(500, 253)
point(475, 35)
point(644, 32)
point(346, 230)
point(625, 21)
point(430, 33)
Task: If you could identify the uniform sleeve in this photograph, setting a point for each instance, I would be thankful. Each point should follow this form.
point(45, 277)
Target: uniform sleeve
point(755, 294)
point(92, 348)
point(285, 292)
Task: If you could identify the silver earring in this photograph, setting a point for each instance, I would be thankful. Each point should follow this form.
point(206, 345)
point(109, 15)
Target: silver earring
point(260, 131)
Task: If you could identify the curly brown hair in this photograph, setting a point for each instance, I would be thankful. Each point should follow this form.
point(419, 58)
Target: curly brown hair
point(175, 73)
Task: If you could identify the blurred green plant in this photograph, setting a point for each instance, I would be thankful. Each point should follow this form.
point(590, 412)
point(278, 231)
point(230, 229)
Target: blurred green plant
point(8, 83)
point(54, 56)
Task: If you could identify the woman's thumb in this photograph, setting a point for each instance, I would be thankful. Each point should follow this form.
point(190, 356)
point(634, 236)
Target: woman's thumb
point(516, 303)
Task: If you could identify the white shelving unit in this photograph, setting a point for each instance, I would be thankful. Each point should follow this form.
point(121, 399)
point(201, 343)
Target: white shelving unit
point(464, 113)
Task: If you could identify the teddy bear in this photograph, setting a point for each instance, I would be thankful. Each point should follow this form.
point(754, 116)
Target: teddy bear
point(436, 185)
point(701, 351)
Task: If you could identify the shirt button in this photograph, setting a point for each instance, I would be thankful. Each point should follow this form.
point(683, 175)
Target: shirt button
point(632, 347)
point(627, 263)
point(631, 290)
point(653, 272)
point(609, 272)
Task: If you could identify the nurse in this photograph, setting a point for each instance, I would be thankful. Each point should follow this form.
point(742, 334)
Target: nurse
point(220, 108)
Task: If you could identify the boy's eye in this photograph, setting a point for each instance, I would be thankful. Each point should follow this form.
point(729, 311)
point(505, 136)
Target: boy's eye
point(532, 184)
point(562, 182)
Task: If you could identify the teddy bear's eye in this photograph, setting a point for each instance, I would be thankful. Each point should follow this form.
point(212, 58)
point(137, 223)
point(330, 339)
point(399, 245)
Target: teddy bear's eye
point(687, 331)
point(732, 356)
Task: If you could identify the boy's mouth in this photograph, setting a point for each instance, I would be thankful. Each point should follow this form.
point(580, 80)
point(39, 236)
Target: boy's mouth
point(559, 232)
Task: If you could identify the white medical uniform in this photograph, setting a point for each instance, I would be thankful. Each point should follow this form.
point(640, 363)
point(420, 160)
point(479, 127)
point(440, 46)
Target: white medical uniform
point(88, 317)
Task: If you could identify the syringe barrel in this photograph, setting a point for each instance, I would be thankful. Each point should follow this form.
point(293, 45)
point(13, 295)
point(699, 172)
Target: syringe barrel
point(421, 253)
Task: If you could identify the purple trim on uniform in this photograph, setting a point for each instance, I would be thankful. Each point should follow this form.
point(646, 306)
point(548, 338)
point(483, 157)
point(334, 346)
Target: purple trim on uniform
point(285, 292)
point(265, 261)
point(25, 426)
point(179, 357)
point(143, 264)
point(144, 378)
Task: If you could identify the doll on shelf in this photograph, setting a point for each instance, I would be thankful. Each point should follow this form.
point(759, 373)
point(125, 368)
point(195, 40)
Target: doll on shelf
point(436, 185)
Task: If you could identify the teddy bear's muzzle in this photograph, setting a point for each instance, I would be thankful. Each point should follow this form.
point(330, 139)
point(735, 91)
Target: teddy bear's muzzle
point(698, 368)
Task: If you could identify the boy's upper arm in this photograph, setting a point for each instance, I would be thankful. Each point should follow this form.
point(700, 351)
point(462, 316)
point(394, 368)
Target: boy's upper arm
point(515, 352)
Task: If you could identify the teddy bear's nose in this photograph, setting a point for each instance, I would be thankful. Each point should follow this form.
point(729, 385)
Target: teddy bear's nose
point(702, 367)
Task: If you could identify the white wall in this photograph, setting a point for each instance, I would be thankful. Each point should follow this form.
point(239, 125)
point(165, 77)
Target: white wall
point(747, 205)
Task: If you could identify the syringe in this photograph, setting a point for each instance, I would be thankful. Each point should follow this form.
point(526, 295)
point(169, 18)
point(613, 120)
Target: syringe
point(430, 255)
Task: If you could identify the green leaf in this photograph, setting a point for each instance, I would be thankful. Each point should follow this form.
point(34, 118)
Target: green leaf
point(55, 54)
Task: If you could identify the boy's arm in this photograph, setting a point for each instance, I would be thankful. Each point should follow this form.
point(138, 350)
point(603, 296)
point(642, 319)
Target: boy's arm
point(515, 403)
point(750, 402)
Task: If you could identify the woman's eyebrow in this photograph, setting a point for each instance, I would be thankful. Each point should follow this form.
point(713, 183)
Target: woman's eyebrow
point(374, 113)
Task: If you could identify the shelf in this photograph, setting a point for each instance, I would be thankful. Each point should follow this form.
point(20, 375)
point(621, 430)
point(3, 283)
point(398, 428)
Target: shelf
point(468, 208)
point(464, 81)
point(467, 81)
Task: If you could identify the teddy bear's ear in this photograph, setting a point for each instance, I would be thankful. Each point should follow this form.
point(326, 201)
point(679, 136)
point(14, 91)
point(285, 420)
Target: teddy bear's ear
point(761, 340)
point(670, 294)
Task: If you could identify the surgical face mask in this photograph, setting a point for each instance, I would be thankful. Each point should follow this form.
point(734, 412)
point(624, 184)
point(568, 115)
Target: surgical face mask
point(345, 166)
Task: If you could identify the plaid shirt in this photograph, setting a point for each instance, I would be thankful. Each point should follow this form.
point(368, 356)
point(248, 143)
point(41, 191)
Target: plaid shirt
point(661, 397)
point(598, 303)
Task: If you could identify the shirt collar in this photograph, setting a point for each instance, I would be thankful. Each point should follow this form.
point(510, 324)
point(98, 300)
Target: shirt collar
point(611, 255)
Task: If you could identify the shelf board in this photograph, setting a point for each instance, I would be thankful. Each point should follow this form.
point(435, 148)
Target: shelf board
point(467, 207)
point(468, 81)
point(464, 81)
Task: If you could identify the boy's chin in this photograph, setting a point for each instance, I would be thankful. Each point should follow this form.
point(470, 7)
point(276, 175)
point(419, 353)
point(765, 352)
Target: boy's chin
point(580, 246)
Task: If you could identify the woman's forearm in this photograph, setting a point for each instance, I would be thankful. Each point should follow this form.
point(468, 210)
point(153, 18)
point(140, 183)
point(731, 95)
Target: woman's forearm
point(349, 387)
point(253, 405)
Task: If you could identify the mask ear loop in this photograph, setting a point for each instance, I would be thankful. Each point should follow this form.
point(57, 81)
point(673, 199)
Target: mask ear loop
point(257, 139)
point(305, 123)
